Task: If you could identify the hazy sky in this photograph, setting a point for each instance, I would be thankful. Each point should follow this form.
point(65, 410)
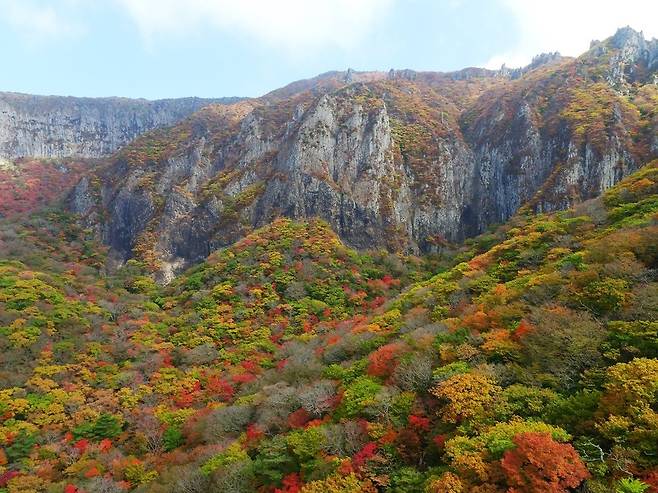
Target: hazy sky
point(172, 48)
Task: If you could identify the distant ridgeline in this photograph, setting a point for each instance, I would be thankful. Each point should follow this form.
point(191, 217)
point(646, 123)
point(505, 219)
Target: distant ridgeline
point(56, 127)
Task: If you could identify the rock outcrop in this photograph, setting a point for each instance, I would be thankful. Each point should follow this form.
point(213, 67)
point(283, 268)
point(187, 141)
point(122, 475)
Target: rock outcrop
point(634, 59)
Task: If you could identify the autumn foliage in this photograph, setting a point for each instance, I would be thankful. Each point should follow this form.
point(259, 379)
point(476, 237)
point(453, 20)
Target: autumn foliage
point(524, 360)
point(538, 464)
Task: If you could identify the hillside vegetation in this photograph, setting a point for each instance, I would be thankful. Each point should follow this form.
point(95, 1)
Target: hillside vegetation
point(29, 184)
point(525, 360)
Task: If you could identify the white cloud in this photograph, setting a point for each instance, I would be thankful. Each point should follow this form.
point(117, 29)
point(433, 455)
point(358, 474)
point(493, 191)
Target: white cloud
point(568, 26)
point(36, 21)
point(292, 24)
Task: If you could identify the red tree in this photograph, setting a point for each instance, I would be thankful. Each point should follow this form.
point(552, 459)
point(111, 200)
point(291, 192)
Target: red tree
point(291, 484)
point(539, 464)
point(382, 362)
point(299, 418)
point(362, 456)
point(420, 423)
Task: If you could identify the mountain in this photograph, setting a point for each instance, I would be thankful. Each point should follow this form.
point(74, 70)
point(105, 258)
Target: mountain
point(403, 160)
point(519, 357)
point(57, 127)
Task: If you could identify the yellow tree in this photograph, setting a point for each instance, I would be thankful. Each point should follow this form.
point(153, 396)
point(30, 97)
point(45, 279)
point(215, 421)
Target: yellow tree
point(466, 395)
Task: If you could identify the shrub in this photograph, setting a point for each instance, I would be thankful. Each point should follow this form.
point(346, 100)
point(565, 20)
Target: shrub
point(172, 438)
point(563, 345)
point(358, 395)
point(273, 461)
point(21, 446)
point(607, 295)
point(446, 371)
point(306, 444)
point(106, 426)
point(447, 483)
point(522, 401)
point(407, 480)
point(631, 485)
point(337, 483)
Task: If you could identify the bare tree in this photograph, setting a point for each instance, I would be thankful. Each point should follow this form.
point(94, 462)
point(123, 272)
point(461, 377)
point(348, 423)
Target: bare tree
point(103, 485)
point(225, 421)
point(315, 398)
point(279, 401)
point(414, 373)
point(344, 439)
point(191, 480)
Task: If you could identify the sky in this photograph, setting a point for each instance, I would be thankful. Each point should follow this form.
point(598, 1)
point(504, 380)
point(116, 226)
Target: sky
point(212, 48)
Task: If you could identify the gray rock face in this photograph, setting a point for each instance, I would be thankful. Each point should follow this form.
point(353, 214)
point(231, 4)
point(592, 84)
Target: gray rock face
point(526, 165)
point(52, 126)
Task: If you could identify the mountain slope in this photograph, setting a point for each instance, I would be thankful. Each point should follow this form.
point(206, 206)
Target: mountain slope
point(402, 160)
point(290, 363)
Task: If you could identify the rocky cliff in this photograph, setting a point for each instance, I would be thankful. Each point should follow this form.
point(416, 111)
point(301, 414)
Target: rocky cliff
point(53, 126)
point(402, 160)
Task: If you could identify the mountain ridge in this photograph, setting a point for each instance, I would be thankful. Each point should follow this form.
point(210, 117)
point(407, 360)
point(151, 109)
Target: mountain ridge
point(398, 160)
